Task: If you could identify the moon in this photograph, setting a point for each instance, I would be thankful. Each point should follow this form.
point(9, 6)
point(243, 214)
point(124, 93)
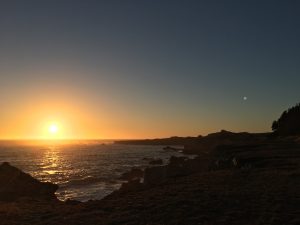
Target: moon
point(245, 98)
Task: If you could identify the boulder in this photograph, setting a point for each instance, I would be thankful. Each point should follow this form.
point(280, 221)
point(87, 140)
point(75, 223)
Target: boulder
point(72, 202)
point(131, 185)
point(170, 148)
point(177, 167)
point(148, 159)
point(15, 184)
point(134, 173)
point(177, 161)
point(155, 175)
point(156, 162)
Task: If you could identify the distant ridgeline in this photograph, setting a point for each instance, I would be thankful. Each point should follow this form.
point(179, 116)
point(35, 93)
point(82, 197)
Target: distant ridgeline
point(288, 123)
point(207, 142)
point(162, 141)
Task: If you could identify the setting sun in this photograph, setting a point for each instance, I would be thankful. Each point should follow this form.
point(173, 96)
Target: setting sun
point(53, 129)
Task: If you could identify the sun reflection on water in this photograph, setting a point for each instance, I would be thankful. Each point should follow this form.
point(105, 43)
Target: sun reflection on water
point(51, 161)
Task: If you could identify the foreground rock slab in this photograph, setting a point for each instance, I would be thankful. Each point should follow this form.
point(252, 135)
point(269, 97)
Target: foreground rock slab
point(15, 184)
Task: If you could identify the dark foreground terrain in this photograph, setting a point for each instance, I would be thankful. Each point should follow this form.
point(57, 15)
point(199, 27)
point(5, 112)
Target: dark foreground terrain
point(235, 179)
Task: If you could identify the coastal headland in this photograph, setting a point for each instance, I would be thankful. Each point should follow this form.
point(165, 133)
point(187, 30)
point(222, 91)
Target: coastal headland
point(235, 178)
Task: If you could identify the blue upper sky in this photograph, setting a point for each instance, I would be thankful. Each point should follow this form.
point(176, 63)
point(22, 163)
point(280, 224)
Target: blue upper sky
point(181, 67)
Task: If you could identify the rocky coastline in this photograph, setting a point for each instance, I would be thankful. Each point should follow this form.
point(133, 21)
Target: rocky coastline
point(236, 178)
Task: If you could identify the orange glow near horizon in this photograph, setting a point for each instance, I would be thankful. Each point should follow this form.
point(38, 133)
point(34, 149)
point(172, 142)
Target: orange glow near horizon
point(49, 119)
point(81, 122)
point(69, 115)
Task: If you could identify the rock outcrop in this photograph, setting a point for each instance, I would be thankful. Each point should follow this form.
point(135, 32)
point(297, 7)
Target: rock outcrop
point(218, 187)
point(15, 184)
point(133, 174)
point(156, 162)
point(177, 167)
point(131, 185)
point(208, 143)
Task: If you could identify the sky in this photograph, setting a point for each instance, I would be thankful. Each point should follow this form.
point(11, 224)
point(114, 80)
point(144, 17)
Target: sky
point(145, 69)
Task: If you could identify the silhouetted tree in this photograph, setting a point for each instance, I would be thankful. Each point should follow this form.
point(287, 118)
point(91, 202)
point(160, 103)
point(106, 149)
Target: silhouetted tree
point(275, 125)
point(289, 122)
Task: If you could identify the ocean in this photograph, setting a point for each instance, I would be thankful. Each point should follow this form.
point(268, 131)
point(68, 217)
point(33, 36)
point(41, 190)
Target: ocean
point(84, 170)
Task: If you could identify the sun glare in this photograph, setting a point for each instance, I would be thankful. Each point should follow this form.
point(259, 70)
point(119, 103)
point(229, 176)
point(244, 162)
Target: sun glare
point(53, 129)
